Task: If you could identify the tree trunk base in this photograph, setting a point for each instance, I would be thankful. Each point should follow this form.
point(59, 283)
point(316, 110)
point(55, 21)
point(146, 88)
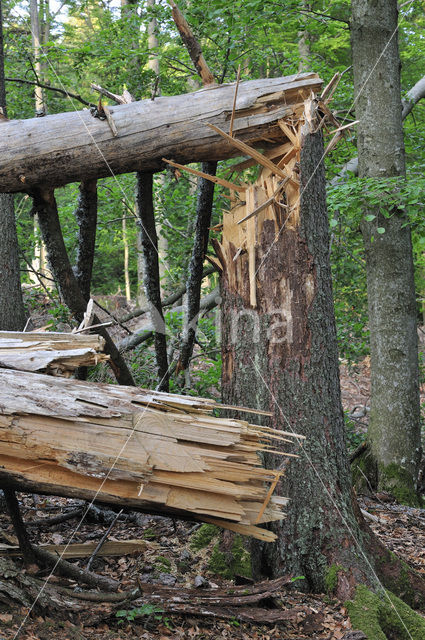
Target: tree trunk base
point(368, 478)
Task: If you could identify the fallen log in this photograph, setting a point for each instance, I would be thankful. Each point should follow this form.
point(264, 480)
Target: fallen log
point(148, 451)
point(58, 354)
point(68, 147)
point(84, 549)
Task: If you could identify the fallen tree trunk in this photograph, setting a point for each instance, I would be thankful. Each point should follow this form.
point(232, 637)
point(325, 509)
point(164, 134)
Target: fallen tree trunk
point(53, 353)
point(75, 146)
point(149, 451)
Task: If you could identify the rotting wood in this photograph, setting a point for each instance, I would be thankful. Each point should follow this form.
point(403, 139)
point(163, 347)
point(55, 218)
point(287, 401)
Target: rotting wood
point(74, 146)
point(53, 353)
point(149, 451)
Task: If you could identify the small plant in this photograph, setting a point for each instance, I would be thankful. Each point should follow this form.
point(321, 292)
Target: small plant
point(146, 610)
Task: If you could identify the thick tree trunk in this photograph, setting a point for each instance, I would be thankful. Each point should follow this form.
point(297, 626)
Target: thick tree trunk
point(281, 355)
point(145, 450)
point(75, 146)
point(394, 426)
point(12, 314)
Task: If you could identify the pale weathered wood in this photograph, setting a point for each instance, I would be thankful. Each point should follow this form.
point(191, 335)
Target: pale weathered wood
point(48, 352)
point(85, 549)
point(150, 451)
point(68, 147)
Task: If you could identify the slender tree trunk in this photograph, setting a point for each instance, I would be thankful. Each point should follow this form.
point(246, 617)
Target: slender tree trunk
point(46, 208)
point(193, 287)
point(394, 426)
point(86, 215)
point(304, 52)
point(126, 272)
point(151, 278)
point(282, 356)
point(12, 314)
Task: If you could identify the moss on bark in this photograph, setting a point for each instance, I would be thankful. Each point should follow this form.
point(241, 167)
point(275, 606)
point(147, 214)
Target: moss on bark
point(399, 482)
point(383, 616)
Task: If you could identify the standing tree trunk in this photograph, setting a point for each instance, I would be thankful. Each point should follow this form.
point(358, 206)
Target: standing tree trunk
point(281, 355)
point(394, 427)
point(12, 314)
point(86, 215)
point(145, 210)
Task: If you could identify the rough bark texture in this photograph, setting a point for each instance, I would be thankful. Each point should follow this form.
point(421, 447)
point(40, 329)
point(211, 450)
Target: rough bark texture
point(74, 146)
point(12, 314)
point(282, 356)
point(151, 277)
point(394, 426)
point(46, 208)
point(86, 215)
point(203, 220)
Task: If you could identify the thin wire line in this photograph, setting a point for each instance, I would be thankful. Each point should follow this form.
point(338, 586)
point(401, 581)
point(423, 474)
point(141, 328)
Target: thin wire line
point(302, 189)
point(344, 521)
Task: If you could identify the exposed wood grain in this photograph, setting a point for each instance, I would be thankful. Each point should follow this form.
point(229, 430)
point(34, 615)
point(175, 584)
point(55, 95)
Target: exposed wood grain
point(155, 452)
point(48, 352)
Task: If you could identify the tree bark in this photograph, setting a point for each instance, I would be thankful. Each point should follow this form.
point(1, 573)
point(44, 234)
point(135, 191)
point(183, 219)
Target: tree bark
point(86, 216)
point(151, 276)
point(394, 423)
point(193, 287)
point(12, 314)
point(46, 208)
point(281, 355)
point(75, 146)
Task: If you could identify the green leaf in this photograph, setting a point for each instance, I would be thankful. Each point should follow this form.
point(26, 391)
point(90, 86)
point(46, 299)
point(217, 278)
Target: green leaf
point(370, 217)
point(380, 230)
point(333, 223)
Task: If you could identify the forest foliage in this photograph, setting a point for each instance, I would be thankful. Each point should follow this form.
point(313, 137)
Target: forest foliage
point(102, 42)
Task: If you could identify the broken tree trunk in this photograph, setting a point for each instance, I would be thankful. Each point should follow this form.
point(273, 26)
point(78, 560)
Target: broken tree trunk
point(280, 352)
point(75, 146)
point(58, 354)
point(149, 451)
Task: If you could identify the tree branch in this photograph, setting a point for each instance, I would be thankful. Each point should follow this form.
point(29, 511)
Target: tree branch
point(42, 85)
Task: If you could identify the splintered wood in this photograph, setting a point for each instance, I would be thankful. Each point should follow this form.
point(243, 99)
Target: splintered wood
point(150, 451)
point(274, 196)
point(57, 354)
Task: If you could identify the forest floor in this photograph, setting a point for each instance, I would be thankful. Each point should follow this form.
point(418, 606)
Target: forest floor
point(171, 560)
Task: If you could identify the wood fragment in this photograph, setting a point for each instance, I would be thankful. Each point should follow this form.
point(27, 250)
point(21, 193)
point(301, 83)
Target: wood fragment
point(201, 174)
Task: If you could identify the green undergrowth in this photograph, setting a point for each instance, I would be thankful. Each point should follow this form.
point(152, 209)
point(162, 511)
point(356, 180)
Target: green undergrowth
point(228, 564)
point(203, 536)
point(383, 616)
